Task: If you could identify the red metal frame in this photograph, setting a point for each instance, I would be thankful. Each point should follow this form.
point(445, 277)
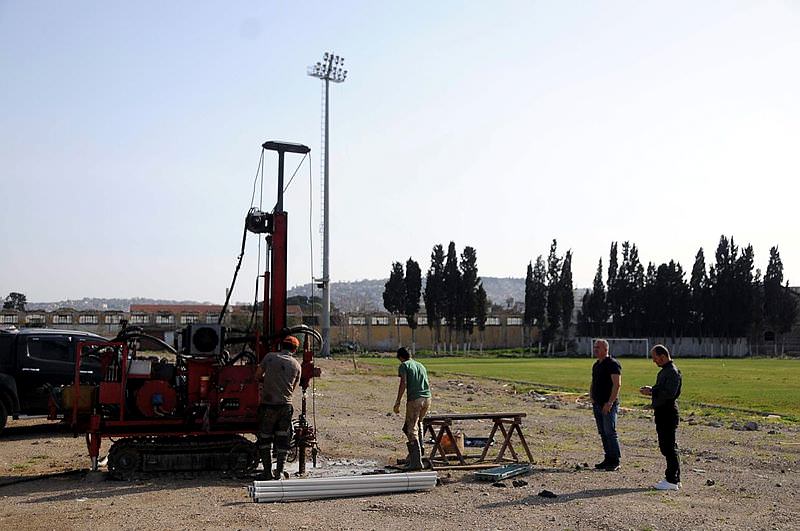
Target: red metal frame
point(115, 391)
point(97, 428)
point(277, 303)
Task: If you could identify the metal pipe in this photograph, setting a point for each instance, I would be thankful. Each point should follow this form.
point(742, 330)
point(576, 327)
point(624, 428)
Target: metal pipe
point(297, 488)
point(374, 478)
point(328, 495)
point(319, 488)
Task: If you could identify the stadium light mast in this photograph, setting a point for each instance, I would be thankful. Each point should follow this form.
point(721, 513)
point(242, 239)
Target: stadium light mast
point(330, 69)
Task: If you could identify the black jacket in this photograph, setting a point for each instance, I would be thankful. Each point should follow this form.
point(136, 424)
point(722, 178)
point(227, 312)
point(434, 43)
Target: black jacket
point(668, 387)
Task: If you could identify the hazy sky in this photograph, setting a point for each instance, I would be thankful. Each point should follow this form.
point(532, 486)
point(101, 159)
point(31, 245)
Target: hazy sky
point(130, 134)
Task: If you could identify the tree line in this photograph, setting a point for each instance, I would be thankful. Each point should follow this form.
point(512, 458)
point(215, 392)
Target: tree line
point(548, 298)
point(727, 299)
point(455, 300)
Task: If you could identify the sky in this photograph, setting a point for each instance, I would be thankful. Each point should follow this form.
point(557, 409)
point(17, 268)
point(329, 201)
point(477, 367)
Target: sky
point(130, 137)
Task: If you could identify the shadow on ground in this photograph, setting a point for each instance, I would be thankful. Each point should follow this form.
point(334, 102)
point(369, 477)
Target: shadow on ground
point(35, 431)
point(75, 484)
point(564, 498)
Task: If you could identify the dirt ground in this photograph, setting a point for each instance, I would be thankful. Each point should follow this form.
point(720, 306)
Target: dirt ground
point(731, 479)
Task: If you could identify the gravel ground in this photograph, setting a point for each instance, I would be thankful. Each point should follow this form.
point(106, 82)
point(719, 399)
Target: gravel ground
point(731, 479)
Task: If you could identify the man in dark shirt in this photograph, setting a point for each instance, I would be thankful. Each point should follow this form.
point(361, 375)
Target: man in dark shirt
point(606, 381)
point(664, 394)
point(281, 374)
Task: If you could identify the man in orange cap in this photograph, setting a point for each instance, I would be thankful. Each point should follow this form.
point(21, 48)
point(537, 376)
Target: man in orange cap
point(281, 374)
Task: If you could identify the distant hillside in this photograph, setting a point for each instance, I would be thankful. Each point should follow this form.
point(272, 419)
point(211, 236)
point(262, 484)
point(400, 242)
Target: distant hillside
point(100, 304)
point(367, 295)
point(356, 296)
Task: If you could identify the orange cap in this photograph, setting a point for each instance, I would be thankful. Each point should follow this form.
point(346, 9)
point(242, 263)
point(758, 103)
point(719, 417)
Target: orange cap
point(291, 340)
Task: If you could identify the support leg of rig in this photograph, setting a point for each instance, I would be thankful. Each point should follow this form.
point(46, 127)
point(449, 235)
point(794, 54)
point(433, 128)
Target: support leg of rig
point(93, 444)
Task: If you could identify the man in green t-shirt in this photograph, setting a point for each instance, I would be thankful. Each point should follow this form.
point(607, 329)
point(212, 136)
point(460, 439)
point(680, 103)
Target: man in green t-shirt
point(414, 379)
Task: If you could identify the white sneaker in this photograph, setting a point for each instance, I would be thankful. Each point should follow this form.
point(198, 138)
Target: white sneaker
point(666, 485)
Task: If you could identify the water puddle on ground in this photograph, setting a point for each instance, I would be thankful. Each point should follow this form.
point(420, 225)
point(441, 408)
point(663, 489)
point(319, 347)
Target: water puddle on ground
point(333, 468)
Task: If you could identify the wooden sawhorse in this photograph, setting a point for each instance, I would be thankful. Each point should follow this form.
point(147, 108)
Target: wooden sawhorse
point(506, 423)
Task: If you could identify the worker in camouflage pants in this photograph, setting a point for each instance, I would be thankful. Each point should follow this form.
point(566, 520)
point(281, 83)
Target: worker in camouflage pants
point(281, 374)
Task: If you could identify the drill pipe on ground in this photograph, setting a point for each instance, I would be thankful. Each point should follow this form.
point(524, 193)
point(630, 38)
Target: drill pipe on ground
point(339, 487)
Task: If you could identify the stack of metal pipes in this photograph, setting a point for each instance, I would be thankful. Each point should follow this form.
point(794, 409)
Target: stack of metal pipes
point(340, 487)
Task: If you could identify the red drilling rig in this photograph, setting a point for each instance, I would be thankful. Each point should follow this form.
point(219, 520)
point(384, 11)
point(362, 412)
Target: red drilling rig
point(190, 412)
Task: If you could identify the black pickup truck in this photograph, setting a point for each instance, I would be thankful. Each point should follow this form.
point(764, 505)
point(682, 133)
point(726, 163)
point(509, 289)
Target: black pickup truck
point(34, 362)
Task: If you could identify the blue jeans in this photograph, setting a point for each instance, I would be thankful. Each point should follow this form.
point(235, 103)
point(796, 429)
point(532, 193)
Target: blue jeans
point(607, 428)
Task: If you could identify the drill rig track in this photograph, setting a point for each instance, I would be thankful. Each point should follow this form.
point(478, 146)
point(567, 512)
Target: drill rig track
point(135, 457)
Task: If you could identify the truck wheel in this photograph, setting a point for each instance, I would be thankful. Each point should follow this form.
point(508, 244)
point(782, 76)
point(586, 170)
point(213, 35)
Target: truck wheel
point(3, 415)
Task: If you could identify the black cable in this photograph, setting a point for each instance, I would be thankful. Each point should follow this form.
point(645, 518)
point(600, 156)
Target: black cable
point(259, 169)
point(137, 334)
point(253, 311)
point(311, 300)
point(295, 172)
point(311, 230)
point(235, 274)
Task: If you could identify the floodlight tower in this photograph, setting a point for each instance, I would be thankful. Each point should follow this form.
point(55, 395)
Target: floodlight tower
point(331, 68)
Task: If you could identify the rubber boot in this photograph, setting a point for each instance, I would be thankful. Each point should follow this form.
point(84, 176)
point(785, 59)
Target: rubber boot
point(414, 456)
point(279, 462)
point(266, 460)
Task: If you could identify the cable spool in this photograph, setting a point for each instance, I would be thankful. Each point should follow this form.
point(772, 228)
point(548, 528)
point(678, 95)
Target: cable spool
point(258, 222)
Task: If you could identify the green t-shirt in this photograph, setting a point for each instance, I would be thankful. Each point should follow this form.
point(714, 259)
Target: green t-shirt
point(416, 379)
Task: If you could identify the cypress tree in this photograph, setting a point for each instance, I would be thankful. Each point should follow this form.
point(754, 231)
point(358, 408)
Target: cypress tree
point(481, 311)
point(452, 291)
point(612, 298)
point(539, 295)
point(723, 287)
point(434, 293)
point(554, 296)
point(413, 287)
point(773, 282)
point(585, 326)
point(758, 306)
point(623, 293)
point(567, 298)
point(637, 292)
point(597, 310)
point(672, 298)
point(469, 289)
point(652, 308)
point(394, 293)
point(743, 290)
point(528, 317)
point(698, 286)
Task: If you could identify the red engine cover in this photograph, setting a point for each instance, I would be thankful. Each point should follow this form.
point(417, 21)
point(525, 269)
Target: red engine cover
point(238, 394)
point(156, 396)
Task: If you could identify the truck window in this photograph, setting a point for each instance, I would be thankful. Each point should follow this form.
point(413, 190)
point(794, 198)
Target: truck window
point(50, 348)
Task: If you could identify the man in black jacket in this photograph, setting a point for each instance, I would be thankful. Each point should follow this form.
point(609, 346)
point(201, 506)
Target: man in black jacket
point(665, 394)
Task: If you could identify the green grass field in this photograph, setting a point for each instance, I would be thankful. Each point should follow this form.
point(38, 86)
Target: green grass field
point(758, 385)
